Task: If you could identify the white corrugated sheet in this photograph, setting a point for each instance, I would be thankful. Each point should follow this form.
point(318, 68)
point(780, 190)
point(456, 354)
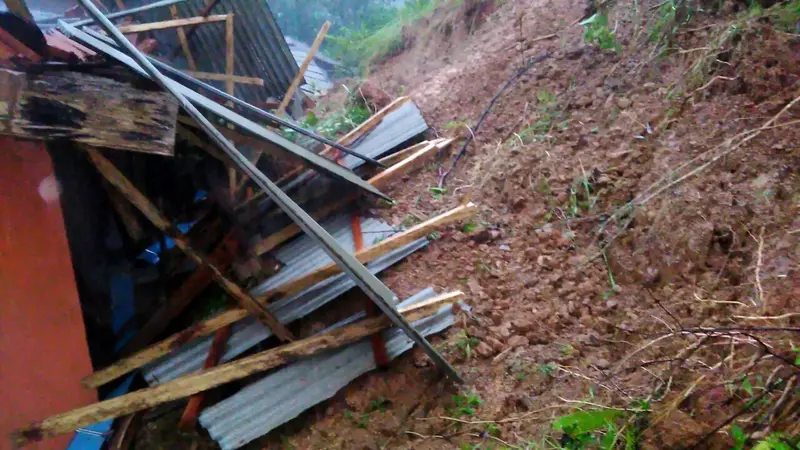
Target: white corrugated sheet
point(283, 395)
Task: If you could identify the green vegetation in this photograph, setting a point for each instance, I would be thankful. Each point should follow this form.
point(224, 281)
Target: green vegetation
point(466, 343)
point(358, 45)
point(466, 404)
point(597, 32)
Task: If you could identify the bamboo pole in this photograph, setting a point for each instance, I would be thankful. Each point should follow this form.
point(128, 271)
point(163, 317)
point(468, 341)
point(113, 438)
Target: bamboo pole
point(226, 373)
point(115, 177)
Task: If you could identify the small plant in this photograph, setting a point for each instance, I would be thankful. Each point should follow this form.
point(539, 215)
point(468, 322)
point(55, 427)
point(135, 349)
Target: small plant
point(597, 32)
point(465, 404)
point(437, 192)
point(360, 420)
point(466, 343)
point(739, 438)
point(379, 404)
point(469, 227)
point(567, 349)
point(547, 369)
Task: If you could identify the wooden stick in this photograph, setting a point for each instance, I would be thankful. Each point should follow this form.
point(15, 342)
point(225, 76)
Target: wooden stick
point(208, 327)
point(208, 379)
point(167, 24)
point(303, 67)
point(225, 77)
point(184, 41)
point(189, 418)
point(276, 239)
point(381, 248)
point(229, 88)
point(115, 177)
point(210, 4)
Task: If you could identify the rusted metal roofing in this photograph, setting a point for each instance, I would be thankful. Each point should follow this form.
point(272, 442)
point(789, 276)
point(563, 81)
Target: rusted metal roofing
point(56, 39)
point(260, 48)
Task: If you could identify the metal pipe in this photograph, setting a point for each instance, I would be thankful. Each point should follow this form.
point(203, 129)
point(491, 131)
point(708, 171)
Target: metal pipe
point(372, 286)
point(129, 12)
point(180, 76)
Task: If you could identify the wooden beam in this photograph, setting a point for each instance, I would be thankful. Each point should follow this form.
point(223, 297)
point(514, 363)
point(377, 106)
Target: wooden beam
point(225, 77)
point(278, 238)
point(187, 52)
point(303, 67)
point(226, 373)
point(115, 177)
point(368, 254)
point(20, 8)
point(167, 24)
point(87, 109)
point(208, 327)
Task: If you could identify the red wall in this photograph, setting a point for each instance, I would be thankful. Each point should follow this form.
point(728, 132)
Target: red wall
point(43, 351)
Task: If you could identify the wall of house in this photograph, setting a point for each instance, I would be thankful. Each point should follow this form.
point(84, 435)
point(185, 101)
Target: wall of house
point(43, 351)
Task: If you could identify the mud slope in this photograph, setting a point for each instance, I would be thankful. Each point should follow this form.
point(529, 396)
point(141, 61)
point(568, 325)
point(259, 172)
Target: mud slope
point(576, 297)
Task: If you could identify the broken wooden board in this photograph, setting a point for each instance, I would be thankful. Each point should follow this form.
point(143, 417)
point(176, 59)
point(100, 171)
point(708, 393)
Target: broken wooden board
point(88, 109)
point(226, 373)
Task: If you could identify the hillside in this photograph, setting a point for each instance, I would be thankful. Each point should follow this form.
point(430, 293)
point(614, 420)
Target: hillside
point(633, 273)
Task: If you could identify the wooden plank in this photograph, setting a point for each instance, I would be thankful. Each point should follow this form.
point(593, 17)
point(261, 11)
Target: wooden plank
point(229, 88)
point(192, 411)
point(175, 23)
point(141, 358)
point(226, 373)
point(303, 67)
point(418, 159)
point(183, 40)
point(395, 158)
point(208, 327)
point(144, 205)
point(381, 248)
point(20, 8)
point(87, 109)
point(278, 238)
point(225, 77)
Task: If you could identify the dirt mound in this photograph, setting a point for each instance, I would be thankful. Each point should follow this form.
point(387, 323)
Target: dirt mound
point(638, 226)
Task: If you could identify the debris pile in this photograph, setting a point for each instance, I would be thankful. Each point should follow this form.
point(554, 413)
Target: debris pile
point(233, 258)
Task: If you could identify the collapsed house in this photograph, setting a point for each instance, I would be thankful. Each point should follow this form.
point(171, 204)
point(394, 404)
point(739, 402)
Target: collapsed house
point(142, 250)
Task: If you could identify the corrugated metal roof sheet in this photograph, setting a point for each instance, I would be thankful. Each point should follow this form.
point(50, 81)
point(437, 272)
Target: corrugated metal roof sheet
point(318, 80)
point(283, 395)
point(313, 192)
point(301, 256)
point(260, 48)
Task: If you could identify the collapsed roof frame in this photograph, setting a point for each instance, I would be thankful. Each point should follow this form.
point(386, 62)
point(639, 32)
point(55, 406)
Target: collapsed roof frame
point(381, 295)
